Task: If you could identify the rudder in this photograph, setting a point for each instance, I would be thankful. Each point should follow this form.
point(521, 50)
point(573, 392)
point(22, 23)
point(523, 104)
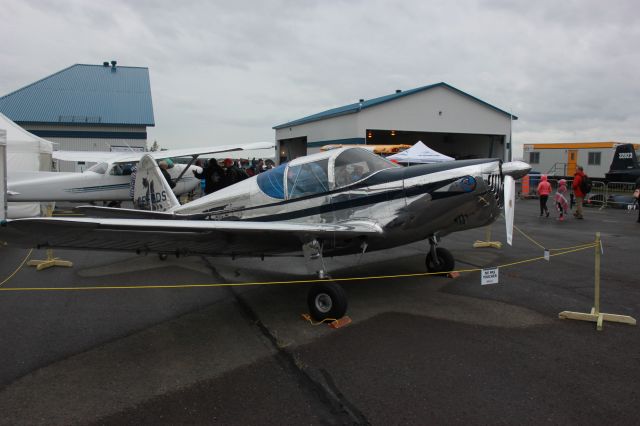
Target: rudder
point(151, 190)
point(624, 158)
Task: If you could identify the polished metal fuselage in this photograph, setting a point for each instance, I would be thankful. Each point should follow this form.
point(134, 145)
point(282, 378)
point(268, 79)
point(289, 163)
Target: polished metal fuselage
point(408, 204)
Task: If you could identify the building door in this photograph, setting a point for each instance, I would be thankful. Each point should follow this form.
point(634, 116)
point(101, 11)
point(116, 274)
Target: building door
point(572, 161)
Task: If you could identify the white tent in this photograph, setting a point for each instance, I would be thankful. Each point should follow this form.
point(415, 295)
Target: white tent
point(419, 153)
point(25, 152)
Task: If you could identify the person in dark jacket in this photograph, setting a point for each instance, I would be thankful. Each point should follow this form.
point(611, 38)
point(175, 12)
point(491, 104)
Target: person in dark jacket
point(233, 174)
point(577, 190)
point(163, 169)
point(213, 176)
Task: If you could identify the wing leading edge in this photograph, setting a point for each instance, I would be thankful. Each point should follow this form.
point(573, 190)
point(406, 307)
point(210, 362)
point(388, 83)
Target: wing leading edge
point(182, 237)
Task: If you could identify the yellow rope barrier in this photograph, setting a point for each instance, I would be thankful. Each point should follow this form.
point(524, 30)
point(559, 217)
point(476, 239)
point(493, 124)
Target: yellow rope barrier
point(246, 284)
point(17, 270)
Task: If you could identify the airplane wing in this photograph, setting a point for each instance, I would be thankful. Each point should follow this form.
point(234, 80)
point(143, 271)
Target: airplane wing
point(182, 237)
point(128, 157)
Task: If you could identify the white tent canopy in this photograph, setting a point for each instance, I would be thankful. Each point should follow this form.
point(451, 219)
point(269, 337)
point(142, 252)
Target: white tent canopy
point(419, 153)
point(25, 152)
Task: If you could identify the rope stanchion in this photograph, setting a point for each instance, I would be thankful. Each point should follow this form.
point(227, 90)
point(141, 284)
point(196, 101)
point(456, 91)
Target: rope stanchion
point(50, 261)
point(595, 315)
point(487, 242)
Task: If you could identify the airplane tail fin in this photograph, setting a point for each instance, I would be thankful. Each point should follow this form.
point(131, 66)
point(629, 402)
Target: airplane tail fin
point(624, 158)
point(151, 190)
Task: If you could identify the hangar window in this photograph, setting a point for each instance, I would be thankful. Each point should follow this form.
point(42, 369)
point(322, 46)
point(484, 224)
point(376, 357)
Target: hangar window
point(356, 164)
point(594, 158)
point(307, 179)
point(534, 158)
point(271, 182)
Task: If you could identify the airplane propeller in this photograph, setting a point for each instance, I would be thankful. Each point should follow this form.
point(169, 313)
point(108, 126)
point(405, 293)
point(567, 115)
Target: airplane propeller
point(509, 204)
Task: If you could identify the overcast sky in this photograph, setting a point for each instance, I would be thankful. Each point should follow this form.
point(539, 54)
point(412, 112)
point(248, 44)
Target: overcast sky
point(228, 71)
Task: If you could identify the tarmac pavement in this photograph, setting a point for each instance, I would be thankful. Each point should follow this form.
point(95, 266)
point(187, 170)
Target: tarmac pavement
point(420, 350)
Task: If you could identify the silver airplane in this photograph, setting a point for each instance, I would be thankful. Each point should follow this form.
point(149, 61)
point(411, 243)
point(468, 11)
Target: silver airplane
point(339, 202)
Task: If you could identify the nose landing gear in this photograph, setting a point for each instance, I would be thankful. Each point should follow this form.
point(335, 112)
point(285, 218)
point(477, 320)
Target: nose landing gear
point(439, 259)
point(327, 299)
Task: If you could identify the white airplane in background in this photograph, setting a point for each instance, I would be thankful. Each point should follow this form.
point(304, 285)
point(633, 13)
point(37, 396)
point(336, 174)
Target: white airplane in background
point(109, 179)
point(339, 202)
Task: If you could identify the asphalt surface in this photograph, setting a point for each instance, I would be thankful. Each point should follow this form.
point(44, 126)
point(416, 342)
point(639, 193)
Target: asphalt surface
point(420, 350)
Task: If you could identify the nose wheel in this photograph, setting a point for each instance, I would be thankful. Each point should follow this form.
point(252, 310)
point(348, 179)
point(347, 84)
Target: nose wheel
point(327, 300)
point(439, 259)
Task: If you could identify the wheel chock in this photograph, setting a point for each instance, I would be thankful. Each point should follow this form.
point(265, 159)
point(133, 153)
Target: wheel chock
point(345, 320)
point(453, 274)
point(333, 323)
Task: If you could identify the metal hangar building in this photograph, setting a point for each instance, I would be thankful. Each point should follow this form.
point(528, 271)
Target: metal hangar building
point(86, 108)
point(446, 119)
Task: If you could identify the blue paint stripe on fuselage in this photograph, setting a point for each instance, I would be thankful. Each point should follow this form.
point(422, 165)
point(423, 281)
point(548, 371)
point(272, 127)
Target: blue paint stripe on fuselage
point(97, 188)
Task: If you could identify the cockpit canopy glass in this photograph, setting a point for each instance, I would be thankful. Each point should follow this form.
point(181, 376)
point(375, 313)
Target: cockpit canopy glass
point(308, 179)
point(356, 164)
point(271, 182)
point(100, 168)
point(123, 169)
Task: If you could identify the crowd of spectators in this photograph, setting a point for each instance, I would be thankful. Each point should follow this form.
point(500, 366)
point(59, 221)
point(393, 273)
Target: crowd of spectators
point(217, 175)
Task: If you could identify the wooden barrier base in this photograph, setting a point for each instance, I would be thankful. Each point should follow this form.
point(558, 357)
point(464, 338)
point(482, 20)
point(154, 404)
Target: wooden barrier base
point(49, 262)
point(598, 318)
point(493, 244)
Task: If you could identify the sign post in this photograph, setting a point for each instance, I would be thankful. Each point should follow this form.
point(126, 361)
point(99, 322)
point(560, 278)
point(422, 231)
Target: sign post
point(595, 315)
point(3, 174)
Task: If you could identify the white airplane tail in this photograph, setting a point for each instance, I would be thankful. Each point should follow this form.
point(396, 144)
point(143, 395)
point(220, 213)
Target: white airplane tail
point(151, 190)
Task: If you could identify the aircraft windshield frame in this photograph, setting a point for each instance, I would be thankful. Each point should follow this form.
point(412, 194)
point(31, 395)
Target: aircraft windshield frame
point(99, 168)
point(355, 164)
point(309, 178)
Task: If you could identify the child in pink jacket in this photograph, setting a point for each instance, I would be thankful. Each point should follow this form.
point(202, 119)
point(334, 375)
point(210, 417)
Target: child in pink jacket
point(544, 189)
point(561, 200)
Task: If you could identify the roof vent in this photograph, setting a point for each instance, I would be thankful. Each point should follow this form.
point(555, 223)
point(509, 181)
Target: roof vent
point(105, 64)
point(398, 90)
point(361, 100)
point(113, 66)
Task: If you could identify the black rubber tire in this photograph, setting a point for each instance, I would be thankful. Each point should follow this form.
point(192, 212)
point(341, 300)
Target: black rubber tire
point(327, 300)
point(163, 256)
point(445, 260)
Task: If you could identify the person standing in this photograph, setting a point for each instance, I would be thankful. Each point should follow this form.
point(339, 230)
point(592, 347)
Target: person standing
point(562, 205)
point(163, 169)
point(577, 190)
point(213, 176)
point(544, 189)
point(233, 174)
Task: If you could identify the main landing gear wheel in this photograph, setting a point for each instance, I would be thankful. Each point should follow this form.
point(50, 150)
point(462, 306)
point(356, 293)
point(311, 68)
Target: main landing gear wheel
point(445, 263)
point(163, 256)
point(327, 300)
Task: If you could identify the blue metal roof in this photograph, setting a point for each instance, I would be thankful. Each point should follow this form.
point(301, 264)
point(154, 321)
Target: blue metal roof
point(356, 107)
point(81, 94)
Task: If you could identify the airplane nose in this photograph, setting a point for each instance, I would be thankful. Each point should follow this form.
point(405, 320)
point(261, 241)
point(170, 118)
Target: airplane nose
point(516, 169)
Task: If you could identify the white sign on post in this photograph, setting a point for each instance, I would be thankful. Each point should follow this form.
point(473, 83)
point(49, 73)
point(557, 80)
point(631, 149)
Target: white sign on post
point(489, 276)
point(547, 255)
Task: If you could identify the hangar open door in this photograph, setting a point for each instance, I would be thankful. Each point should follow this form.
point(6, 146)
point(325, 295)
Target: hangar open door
point(288, 149)
point(457, 145)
